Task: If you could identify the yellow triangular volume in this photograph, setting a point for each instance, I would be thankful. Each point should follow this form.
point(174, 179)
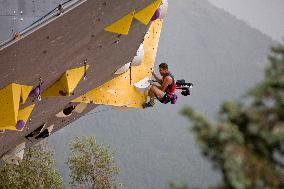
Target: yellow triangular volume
point(144, 16)
point(121, 26)
point(67, 83)
point(73, 77)
point(25, 91)
point(9, 104)
point(55, 90)
point(25, 113)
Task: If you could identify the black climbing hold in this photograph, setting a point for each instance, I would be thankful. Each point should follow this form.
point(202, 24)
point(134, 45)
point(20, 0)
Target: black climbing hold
point(69, 110)
point(35, 132)
point(43, 134)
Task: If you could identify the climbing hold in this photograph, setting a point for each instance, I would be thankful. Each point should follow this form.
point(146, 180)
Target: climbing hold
point(138, 59)
point(123, 69)
point(20, 125)
point(35, 92)
point(45, 133)
point(61, 114)
point(23, 117)
point(25, 91)
point(35, 132)
point(164, 8)
point(66, 112)
point(142, 86)
point(9, 105)
point(17, 36)
point(121, 26)
point(69, 110)
point(156, 14)
point(67, 83)
point(10, 98)
point(144, 16)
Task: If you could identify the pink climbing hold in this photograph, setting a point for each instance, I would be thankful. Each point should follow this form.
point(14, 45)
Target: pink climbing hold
point(156, 14)
point(20, 125)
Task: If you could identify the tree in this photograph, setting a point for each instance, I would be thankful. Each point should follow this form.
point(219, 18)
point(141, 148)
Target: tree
point(36, 171)
point(246, 143)
point(91, 165)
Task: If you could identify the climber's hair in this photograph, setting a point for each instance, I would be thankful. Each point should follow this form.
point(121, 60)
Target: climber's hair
point(164, 66)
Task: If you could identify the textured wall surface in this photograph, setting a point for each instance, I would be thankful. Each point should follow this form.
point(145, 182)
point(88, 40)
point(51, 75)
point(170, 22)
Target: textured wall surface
point(62, 44)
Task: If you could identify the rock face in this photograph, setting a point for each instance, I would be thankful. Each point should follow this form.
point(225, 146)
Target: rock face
point(69, 39)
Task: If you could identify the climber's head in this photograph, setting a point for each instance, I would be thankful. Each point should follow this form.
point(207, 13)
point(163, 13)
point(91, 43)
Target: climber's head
point(163, 69)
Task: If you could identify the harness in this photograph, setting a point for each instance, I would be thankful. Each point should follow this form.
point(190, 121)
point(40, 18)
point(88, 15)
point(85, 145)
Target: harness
point(170, 95)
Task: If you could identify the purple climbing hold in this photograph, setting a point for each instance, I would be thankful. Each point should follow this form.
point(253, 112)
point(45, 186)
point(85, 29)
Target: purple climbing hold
point(156, 14)
point(34, 92)
point(20, 125)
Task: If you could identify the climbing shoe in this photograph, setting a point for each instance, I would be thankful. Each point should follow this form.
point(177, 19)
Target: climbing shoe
point(147, 105)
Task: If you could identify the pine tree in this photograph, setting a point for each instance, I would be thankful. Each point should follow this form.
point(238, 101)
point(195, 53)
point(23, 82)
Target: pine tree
point(246, 143)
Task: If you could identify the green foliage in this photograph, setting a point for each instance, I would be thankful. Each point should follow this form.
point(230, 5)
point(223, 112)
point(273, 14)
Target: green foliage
point(91, 165)
point(36, 171)
point(249, 135)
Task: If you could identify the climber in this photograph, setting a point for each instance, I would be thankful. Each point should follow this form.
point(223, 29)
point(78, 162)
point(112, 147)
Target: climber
point(165, 93)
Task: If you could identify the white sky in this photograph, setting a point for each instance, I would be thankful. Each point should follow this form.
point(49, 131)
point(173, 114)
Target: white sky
point(265, 15)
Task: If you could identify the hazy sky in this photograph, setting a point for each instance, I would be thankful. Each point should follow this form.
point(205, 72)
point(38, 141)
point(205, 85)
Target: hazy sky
point(265, 15)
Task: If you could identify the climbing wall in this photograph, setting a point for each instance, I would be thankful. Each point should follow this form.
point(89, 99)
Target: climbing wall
point(122, 91)
point(48, 53)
